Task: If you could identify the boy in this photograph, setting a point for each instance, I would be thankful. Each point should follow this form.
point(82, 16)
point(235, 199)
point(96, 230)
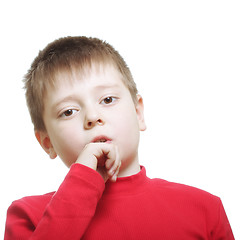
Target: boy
point(85, 108)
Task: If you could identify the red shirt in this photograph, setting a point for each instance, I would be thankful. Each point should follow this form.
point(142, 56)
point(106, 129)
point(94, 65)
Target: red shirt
point(134, 207)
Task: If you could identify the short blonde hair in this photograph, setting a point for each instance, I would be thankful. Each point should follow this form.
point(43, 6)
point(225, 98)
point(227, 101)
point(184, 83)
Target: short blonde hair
point(64, 54)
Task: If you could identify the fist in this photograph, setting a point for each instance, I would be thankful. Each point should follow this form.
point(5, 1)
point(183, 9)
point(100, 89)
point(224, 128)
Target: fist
point(102, 157)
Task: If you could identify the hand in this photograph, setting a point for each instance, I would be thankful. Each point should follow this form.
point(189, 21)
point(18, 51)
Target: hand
point(102, 157)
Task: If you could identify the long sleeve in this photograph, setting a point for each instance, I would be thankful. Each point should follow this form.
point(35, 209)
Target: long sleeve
point(134, 207)
point(67, 214)
point(223, 229)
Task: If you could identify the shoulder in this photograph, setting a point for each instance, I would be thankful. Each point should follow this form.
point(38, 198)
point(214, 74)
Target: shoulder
point(194, 207)
point(188, 201)
point(184, 194)
point(35, 200)
point(31, 207)
point(177, 187)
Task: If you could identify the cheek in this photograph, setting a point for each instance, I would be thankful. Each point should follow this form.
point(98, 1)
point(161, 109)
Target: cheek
point(128, 129)
point(67, 145)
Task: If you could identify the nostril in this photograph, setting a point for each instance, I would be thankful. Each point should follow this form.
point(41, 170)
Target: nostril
point(90, 124)
point(99, 121)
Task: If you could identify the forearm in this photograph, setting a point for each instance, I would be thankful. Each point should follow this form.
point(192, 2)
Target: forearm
point(67, 215)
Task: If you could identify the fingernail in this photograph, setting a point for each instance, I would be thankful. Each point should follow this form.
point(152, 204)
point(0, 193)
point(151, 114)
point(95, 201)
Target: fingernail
point(111, 172)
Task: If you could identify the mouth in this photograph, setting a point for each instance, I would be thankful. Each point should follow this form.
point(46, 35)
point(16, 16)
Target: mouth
point(101, 139)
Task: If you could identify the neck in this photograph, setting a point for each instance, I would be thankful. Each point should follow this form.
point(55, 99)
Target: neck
point(129, 169)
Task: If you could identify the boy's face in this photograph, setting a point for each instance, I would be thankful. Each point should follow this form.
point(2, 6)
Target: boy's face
point(83, 108)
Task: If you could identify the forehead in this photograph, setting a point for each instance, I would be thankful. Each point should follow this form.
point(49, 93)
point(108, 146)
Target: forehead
point(95, 78)
point(96, 74)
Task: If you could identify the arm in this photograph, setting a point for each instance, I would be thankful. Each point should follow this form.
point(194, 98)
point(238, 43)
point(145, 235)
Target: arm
point(68, 213)
point(223, 230)
point(72, 207)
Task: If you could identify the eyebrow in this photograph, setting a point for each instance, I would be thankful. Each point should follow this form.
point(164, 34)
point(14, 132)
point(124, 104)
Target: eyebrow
point(74, 96)
point(65, 99)
point(102, 86)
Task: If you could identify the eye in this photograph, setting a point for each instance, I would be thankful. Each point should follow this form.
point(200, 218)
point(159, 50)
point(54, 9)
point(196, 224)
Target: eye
point(108, 100)
point(68, 113)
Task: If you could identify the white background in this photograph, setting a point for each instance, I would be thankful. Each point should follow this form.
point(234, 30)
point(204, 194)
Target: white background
point(185, 58)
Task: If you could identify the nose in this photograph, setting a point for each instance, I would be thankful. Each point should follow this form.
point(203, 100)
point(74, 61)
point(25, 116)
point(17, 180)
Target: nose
point(92, 118)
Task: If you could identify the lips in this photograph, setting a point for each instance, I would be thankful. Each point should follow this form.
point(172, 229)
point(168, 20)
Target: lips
point(101, 139)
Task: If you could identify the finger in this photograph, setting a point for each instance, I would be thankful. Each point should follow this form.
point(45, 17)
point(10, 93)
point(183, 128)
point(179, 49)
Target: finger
point(116, 165)
point(102, 152)
point(103, 173)
point(109, 163)
point(115, 175)
point(113, 178)
point(112, 157)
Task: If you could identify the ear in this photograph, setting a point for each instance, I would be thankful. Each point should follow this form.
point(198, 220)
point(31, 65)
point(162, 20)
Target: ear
point(140, 114)
point(46, 144)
